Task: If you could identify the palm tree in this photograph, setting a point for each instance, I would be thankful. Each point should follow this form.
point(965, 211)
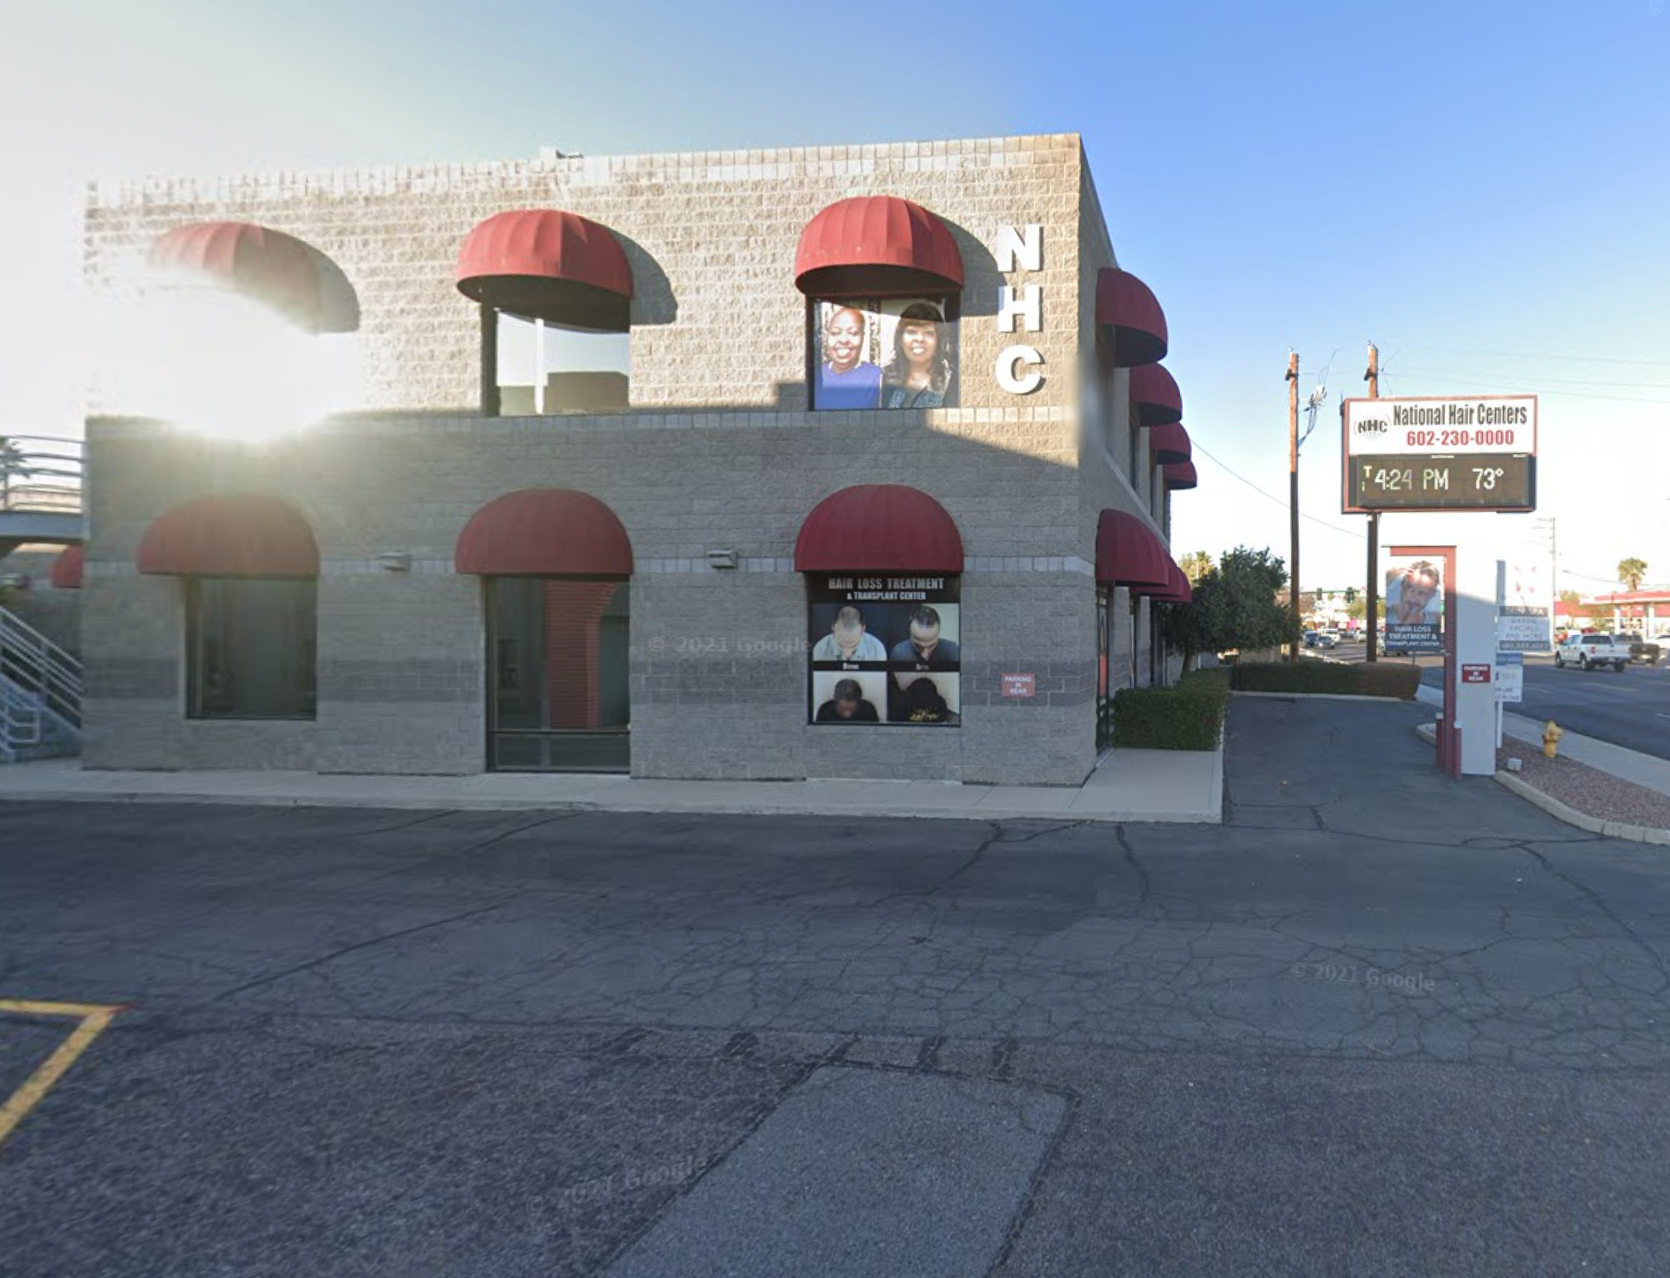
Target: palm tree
point(1196, 564)
point(1631, 571)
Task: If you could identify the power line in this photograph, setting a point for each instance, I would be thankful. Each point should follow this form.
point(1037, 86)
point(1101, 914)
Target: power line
point(1574, 359)
point(1249, 483)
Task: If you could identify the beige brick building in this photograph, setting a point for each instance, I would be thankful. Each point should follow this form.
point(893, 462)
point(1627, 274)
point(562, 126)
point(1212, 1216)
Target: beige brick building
point(656, 602)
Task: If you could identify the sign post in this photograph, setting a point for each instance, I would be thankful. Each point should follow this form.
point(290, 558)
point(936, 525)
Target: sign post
point(1449, 731)
point(1437, 455)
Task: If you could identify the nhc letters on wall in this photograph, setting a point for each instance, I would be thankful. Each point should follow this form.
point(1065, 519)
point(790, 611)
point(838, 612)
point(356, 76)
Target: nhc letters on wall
point(885, 650)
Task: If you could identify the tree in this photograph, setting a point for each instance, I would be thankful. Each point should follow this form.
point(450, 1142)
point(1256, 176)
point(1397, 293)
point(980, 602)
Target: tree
point(1196, 564)
point(1631, 571)
point(1356, 608)
point(1234, 606)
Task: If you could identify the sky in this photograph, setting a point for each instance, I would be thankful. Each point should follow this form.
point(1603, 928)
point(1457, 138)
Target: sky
point(1480, 188)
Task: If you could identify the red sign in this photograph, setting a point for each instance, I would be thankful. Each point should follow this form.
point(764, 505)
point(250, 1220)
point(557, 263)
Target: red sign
point(1020, 685)
point(1475, 674)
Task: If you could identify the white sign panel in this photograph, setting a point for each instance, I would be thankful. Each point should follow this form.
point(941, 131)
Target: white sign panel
point(1510, 676)
point(1411, 427)
point(1524, 606)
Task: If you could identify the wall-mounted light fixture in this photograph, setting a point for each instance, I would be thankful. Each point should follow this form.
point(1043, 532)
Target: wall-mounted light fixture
point(721, 559)
point(396, 560)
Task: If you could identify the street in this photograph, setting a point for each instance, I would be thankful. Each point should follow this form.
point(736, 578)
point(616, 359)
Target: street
point(1379, 1022)
point(1630, 709)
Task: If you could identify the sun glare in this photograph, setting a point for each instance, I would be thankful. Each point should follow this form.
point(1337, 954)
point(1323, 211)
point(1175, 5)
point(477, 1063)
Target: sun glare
point(225, 365)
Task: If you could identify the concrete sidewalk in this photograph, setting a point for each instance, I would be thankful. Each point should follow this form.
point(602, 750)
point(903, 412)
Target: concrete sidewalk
point(1628, 765)
point(1128, 785)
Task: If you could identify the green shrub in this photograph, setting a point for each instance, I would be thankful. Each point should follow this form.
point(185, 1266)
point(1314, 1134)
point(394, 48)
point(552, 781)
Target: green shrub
point(1187, 716)
point(1308, 676)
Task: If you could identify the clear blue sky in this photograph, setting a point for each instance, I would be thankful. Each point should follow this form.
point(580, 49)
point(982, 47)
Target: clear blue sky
point(1483, 188)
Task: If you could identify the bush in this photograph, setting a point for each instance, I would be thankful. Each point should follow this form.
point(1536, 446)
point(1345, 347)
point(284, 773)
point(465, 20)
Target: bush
point(1307, 676)
point(1187, 716)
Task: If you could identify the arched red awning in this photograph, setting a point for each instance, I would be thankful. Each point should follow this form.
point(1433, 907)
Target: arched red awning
point(549, 265)
point(544, 532)
point(1180, 475)
point(879, 528)
point(1128, 553)
point(1128, 311)
point(1177, 590)
point(68, 567)
point(1168, 444)
point(230, 535)
point(289, 275)
point(1155, 396)
point(877, 246)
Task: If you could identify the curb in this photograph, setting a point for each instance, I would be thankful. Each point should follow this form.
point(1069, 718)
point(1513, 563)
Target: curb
point(1563, 811)
point(1328, 696)
point(1582, 820)
point(1212, 815)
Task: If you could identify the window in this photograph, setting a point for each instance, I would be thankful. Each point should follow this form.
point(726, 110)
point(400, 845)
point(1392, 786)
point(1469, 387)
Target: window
point(543, 369)
point(875, 354)
point(252, 648)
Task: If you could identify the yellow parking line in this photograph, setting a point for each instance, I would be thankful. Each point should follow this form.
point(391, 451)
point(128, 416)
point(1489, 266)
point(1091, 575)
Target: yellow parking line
point(94, 1019)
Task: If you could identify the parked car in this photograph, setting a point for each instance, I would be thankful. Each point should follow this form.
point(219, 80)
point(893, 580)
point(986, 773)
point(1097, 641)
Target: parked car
point(1643, 650)
point(1588, 651)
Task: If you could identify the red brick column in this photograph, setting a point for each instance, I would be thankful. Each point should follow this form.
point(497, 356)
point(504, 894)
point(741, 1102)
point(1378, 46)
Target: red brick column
point(572, 612)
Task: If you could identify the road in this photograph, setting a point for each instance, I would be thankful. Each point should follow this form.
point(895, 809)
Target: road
point(1380, 1022)
point(1631, 709)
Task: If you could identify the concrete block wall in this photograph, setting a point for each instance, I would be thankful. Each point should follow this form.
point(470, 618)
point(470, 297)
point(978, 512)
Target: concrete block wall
point(719, 453)
point(710, 236)
point(55, 613)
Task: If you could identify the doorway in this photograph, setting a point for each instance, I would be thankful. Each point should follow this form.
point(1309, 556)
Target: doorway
point(558, 674)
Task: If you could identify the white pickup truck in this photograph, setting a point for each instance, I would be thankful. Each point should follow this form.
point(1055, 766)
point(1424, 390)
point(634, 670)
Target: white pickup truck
point(1588, 651)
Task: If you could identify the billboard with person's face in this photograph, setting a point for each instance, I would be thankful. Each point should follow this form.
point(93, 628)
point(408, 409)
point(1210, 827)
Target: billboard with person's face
point(1414, 605)
point(885, 649)
point(883, 354)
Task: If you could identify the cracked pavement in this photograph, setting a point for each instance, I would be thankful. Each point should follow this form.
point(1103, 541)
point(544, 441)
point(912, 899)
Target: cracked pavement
point(1378, 1023)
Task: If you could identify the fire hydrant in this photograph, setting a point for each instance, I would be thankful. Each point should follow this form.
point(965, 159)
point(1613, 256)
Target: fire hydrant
point(1551, 734)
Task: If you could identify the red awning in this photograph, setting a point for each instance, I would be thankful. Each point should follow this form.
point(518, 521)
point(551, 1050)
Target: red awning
point(1128, 553)
point(293, 278)
point(1169, 444)
point(1155, 396)
point(877, 246)
point(68, 567)
point(544, 532)
point(1180, 474)
point(1178, 590)
point(230, 535)
point(1127, 309)
point(548, 265)
point(879, 528)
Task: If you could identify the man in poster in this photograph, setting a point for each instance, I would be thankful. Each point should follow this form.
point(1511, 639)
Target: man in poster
point(925, 648)
point(849, 640)
point(1414, 602)
point(847, 705)
point(845, 378)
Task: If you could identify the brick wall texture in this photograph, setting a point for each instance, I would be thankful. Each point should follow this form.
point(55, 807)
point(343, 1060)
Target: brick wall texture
point(717, 451)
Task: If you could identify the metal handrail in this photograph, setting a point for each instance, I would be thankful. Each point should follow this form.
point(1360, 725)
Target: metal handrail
point(25, 459)
point(32, 663)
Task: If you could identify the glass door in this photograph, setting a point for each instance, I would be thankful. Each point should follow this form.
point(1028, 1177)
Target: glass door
point(558, 671)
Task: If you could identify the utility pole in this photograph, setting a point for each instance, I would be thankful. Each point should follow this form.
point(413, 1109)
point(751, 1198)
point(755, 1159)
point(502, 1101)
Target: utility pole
point(1372, 616)
point(1293, 494)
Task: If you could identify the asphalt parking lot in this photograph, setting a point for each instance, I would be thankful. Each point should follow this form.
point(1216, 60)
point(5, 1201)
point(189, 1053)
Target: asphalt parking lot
point(1378, 1023)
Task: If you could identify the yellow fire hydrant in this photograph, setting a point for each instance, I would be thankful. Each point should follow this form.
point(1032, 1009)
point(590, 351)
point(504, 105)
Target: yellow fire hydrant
point(1551, 734)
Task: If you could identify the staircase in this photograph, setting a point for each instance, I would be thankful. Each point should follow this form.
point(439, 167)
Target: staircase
point(40, 695)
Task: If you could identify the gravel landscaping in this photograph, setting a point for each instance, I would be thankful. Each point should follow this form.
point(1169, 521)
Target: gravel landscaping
point(1589, 790)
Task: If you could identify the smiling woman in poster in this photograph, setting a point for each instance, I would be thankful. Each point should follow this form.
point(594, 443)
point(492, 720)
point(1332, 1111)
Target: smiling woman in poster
point(845, 378)
point(918, 375)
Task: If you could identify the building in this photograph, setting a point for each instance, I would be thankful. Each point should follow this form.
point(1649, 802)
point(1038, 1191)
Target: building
point(849, 461)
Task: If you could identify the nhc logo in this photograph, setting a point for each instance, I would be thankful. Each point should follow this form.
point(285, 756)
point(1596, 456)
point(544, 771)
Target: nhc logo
point(1372, 427)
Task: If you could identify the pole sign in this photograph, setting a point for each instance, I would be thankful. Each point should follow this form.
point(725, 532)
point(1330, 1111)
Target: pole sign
point(1454, 453)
